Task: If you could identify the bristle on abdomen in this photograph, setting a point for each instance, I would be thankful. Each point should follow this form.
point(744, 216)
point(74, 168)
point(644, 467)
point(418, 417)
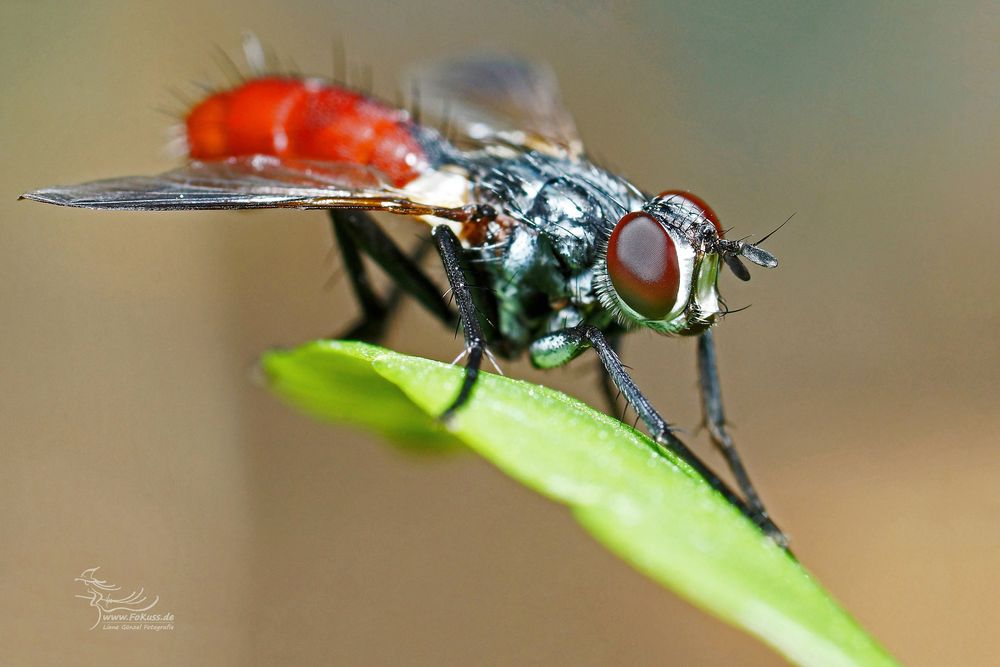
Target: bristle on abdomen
point(305, 119)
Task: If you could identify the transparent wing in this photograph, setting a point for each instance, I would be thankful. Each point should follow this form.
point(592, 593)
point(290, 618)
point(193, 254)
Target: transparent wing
point(258, 181)
point(499, 99)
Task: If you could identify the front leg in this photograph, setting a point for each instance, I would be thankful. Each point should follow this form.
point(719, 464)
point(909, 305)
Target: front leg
point(608, 387)
point(715, 419)
point(560, 347)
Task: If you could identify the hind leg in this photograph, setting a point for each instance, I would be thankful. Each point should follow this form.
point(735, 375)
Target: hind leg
point(357, 233)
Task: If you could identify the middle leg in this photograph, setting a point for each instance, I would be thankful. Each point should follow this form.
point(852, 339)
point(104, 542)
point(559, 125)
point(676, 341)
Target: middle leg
point(450, 249)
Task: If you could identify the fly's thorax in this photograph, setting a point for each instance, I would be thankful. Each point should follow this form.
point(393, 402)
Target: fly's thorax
point(567, 214)
point(657, 266)
point(558, 211)
point(541, 256)
point(566, 201)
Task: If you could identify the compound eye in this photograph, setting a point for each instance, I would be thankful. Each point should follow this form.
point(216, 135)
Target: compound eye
point(695, 201)
point(643, 265)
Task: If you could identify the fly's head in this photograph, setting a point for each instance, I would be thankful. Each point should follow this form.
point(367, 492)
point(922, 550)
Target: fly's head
point(659, 266)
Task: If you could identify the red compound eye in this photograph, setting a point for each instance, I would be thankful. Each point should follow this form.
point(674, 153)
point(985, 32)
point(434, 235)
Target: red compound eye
point(698, 203)
point(643, 265)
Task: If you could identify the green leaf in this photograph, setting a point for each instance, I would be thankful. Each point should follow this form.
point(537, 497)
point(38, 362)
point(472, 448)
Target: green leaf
point(650, 509)
point(336, 382)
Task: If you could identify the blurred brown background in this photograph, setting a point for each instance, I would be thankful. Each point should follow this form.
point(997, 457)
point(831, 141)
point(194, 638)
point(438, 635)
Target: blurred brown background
point(862, 383)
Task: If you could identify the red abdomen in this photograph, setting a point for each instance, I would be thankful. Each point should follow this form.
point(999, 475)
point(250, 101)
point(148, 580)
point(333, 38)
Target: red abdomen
point(305, 119)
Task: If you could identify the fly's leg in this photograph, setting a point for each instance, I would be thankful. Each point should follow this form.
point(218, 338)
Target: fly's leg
point(356, 233)
point(373, 330)
point(715, 419)
point(374, 313)
point(395, 294)
point(608, 386)
point(562, 346)
point(405, 273)
point(449, 248)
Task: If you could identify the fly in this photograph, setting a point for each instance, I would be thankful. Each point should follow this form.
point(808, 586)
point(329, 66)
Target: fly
point(544, 251)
